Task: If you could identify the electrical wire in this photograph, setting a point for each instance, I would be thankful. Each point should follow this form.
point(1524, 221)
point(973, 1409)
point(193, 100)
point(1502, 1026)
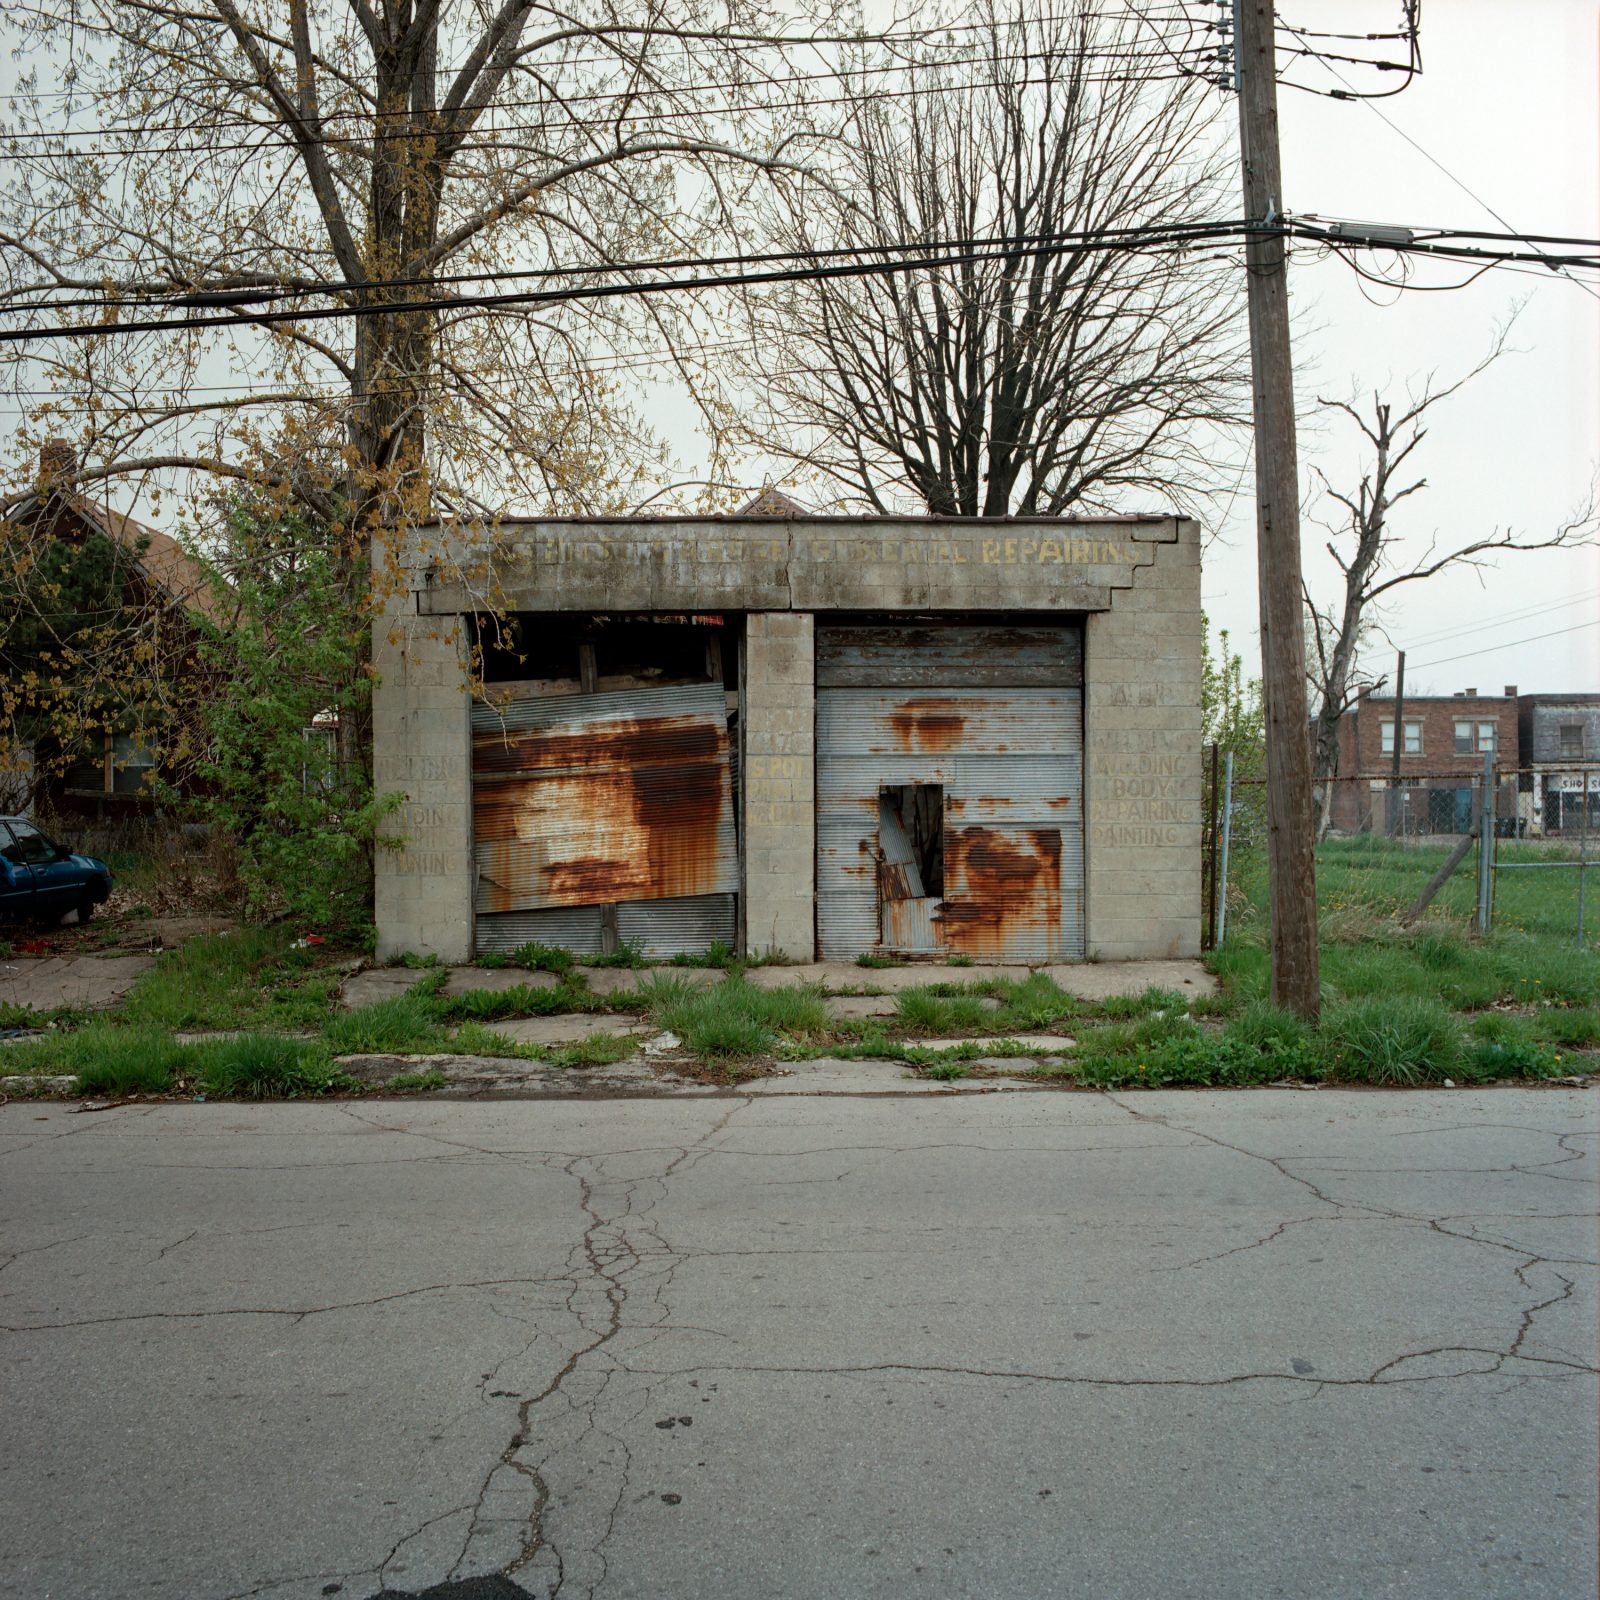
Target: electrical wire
point(992, 250)
point(1509, 644)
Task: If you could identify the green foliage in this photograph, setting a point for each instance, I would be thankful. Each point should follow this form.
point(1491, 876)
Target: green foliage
point(536, 957)
point(400, 1023)
point(304, 818)
point(923, 1011)
point(871, 958)
point(1578, 1028)
point(487, 1005)
point(717, 954)
point(625, 955)
point(79, 649)
point(946, 1071)
point(1035, 1002)
point(263, 1067)
point(1399, 1039)
point(415, 1083)
point(252, 977)
point(733, 1018)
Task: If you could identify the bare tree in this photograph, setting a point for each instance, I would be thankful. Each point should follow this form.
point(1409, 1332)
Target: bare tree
point(1366, 550)
point(1024, 379)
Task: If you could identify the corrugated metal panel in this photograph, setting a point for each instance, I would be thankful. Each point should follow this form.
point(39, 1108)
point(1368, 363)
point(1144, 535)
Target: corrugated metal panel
point(978, 657)
point(1010, 761)
point(574, 928)
point(604, 798)
point(678, 927)
point(660, 928)
point(935, 721)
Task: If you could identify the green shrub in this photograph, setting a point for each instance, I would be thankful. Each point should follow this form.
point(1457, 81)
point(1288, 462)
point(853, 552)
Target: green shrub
point(1396, 1039)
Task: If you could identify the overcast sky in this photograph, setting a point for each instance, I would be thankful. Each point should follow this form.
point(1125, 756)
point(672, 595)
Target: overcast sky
point(1508, 104)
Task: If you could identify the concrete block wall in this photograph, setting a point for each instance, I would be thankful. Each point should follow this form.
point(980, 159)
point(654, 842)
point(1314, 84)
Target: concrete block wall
point(1142, 760)
point(779, 779)
point(421, 725)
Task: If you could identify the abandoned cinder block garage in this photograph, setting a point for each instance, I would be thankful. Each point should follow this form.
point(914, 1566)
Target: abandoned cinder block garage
point(799, 735)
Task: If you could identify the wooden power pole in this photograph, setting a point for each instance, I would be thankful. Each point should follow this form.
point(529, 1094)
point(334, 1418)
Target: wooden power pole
point(1291, 833)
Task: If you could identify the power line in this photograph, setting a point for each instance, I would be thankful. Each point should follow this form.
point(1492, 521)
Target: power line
point(1504, 619)
point(1509, 644)
point(998, 249)
point(289, 288)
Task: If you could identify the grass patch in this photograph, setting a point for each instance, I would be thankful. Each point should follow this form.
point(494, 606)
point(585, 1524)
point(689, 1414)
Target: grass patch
point(716, 954)
point(924, 1011)
point(871, 958)
point(1035, 1002)
point(263, 1067)
point(404, 1024)
point(1145, 1003)
point(415, 1083)
point(490, 1005)
point(536, 957)
point(1578, 1029)
point(250, 978)
point(1398, 1039)
point(625, 955)
point(734, 1018)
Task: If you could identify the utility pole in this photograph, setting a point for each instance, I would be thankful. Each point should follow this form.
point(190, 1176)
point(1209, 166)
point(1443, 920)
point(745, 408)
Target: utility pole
point(1399, 741)
point(1291, 867)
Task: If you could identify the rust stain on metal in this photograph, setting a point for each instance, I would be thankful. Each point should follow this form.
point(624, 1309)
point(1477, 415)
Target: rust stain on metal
point(929, 725)
point(1003, 890)
point(626, 809)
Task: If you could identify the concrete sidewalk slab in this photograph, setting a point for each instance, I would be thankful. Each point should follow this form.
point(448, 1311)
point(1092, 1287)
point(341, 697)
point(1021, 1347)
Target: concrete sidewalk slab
point(1048, 1042)
point(375, 984)
point(607, 981)
point(496, 980)
point(565, 1028)
point(83, 983)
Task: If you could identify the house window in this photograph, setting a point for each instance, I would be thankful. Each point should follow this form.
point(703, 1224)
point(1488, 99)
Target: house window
point(1413, 739)
point(130, 764)
point(1474, 737)
point(1572, 739)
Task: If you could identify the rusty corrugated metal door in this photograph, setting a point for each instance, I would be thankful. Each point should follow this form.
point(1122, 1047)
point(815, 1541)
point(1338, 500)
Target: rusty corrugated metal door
point(617, 799)
point(992, 715)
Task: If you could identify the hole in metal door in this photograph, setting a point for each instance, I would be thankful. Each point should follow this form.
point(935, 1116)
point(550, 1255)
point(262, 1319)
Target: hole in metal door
point(911, 865)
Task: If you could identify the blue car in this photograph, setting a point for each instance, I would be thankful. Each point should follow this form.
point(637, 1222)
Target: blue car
point(42, 880)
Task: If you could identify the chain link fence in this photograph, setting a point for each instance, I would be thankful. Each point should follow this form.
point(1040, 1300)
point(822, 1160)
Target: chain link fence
point(1505, 847)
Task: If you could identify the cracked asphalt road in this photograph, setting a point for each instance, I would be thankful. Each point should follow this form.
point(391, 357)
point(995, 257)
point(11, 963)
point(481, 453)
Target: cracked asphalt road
point(1278, 1344)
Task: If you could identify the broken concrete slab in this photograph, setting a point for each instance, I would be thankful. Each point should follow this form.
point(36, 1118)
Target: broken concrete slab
point(496, 980)
point(565, 1028)
point(861, 1005)
point(829, 1077)
point(376, 983)
point(624, 980)
point(78, 983)
point(468, 1074)
point(1045, 1043)
point(1100, 980)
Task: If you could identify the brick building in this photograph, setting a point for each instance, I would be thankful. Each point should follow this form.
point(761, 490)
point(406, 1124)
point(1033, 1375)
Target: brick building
point(801, 735)
point(1443, 740)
